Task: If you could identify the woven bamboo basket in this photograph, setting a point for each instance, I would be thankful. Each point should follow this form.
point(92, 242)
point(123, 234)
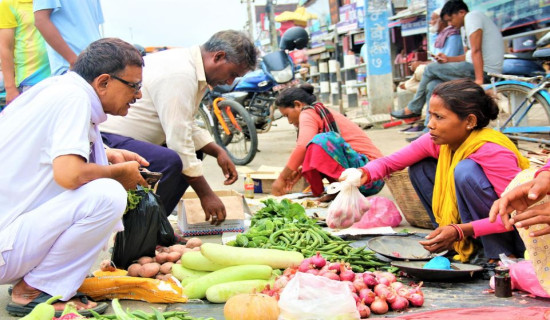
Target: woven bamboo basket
point(407, 200)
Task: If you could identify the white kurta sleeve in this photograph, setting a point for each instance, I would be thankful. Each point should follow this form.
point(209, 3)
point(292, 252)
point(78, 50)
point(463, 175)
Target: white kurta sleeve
point(174, 99)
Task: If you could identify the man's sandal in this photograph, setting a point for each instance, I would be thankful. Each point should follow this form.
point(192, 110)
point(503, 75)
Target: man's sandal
point(20, 310)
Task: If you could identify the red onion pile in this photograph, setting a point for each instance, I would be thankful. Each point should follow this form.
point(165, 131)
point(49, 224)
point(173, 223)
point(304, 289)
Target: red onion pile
point(376, 292)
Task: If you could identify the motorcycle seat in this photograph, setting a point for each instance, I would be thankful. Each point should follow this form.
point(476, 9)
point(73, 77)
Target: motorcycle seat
point(226, 87)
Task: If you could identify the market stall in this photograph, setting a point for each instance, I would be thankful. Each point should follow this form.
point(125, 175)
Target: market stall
point(288, 263)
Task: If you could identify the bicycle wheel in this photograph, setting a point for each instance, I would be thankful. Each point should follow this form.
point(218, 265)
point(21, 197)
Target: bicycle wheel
point(510, 97)
point(202, 120)
point(244, 140)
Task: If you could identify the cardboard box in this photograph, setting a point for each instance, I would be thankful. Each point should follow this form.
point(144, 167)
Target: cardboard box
point(266, 175)
point(191, 215)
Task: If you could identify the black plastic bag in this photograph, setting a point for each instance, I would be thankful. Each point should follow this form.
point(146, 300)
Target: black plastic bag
point(144, 227)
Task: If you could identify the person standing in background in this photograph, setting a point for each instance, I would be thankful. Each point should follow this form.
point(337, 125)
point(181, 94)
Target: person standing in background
point(22, 49)
point(68, 28)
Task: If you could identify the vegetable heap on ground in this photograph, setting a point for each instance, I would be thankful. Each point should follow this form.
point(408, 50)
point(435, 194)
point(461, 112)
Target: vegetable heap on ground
point(285, 226)
point(375, 292)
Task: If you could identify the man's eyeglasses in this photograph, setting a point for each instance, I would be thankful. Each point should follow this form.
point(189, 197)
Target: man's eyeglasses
point(134, 85)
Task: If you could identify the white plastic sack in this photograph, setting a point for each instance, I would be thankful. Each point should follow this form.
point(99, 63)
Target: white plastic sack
point(349, 205)
point(309, 297)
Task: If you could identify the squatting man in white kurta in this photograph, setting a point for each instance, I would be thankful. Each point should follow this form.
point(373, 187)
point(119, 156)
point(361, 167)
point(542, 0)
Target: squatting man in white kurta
point(60, 199)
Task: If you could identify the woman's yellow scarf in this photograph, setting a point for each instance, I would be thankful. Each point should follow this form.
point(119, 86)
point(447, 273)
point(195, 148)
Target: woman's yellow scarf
point(444, 204)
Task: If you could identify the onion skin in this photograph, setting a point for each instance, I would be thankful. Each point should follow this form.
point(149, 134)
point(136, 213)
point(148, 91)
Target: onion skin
point(416, 300)
point(379, 306)
point(318, 261)
point(383, 280)
point(400, 303)
point(367, 296)
point(314, 272)
point(381, 290)
point(364, 311)
point(359, 284)
point(331, 275)
point(396, 285)
point(369, 280)
point(346, 274)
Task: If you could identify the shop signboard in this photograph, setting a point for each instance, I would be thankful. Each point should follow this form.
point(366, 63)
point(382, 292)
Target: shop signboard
point(412, 26)
point(317, 38)
point(348, 18)
point(377, 37)
point(509, 14)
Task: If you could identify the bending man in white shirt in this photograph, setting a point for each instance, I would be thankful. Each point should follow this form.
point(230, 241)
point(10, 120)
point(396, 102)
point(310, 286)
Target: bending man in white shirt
point(160, 126)
point(60, 199)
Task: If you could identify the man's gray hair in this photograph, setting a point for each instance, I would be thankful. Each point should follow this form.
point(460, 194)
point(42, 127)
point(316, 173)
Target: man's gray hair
point(238, 47)
point(106, 56)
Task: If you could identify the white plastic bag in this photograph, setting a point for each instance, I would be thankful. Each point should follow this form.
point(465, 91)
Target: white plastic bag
point(349, 205)
point(308, 297)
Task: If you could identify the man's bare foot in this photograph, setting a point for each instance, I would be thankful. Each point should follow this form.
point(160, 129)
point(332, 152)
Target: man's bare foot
point(23, 294)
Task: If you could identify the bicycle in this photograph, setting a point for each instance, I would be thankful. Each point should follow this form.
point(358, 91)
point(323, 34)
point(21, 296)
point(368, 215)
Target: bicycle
point(526, 104)
point(231, 126)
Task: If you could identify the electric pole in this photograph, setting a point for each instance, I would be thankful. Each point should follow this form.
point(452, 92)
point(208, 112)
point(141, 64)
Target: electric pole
point(250, 21)
point(272, 31)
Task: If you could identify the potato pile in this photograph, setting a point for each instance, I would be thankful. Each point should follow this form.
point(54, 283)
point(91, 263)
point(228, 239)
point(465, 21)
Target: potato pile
point(160, 266)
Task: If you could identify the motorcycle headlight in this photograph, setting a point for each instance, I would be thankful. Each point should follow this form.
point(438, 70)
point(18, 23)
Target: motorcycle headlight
point(284, 75)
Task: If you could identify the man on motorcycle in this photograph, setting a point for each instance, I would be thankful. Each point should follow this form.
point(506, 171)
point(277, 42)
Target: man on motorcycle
point(160, 126)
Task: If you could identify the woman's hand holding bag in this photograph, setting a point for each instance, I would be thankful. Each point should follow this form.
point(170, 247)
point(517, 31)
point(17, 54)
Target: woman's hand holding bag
point(350, 205)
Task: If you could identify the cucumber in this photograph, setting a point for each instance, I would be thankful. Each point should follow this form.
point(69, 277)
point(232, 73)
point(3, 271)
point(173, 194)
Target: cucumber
point(185, 275)
point(220, 293)
point(232, 256)
point(196, 289)
point(194, 260)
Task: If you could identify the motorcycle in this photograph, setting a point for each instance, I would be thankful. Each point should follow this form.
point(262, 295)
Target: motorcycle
point(257, 90)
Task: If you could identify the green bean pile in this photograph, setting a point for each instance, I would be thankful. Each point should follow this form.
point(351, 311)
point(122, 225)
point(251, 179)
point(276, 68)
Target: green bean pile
point(285, 226)
point(142, 315)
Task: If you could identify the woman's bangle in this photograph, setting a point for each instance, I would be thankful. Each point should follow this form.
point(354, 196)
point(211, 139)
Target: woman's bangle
point(459, 231)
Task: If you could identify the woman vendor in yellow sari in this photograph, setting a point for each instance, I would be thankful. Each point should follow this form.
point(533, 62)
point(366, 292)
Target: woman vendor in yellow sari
point(459, 169)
